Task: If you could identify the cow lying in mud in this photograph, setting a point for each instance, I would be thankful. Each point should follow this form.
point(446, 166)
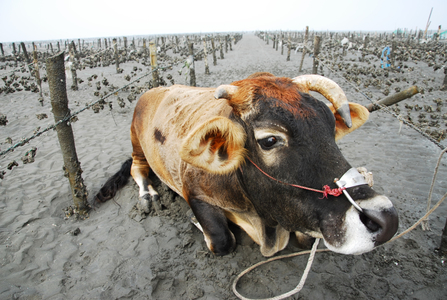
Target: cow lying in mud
point(238, 152)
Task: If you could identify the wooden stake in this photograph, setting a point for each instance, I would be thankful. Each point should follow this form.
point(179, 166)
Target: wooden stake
point(221, 48)
point(443, 246)
point(282, 44)
point(72, 48)
point(25, 53)
point(214, 52)
point(393, 99)
point(306, 37)
point(37, 74)
point(192, 72)
point(154, 66)
point(205, 52)
point(59, 102)
point(117, 58)
point(444, 84)
point(14, 53)
point(316, 62)
point(392, 56)
point(144, 48)
point(289, 46)
point(365, 45)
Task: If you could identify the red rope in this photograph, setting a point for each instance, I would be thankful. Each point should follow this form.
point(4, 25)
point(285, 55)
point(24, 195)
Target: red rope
point(326, 189)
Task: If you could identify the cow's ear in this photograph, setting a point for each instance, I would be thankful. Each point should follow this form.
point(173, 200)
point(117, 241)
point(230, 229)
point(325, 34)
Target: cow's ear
point(216, 146)
point(359, 115)
point(240, 99)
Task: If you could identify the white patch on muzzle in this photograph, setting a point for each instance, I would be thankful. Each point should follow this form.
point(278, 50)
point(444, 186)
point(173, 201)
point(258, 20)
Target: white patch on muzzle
point(357, 238)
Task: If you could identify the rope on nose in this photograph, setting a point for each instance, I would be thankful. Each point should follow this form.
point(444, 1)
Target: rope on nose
point(326, 189)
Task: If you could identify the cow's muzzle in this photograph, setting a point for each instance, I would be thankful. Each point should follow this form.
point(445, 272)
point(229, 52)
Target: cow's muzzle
point(382, 223)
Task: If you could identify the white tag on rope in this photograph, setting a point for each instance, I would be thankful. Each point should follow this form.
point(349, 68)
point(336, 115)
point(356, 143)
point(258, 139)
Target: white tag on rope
point(350, 179)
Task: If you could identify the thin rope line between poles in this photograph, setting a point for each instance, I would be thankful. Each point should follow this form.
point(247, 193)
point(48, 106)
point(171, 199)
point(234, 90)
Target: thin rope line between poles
point(385, 108)
point(67, 118)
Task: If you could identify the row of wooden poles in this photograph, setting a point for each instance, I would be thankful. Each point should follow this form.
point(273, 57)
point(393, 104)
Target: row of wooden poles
point(59, 101)
point(225, 42)
point(317, 39)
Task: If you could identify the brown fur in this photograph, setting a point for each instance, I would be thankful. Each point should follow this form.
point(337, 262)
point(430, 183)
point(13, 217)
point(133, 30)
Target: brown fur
point(187, 138)
point(267, 87)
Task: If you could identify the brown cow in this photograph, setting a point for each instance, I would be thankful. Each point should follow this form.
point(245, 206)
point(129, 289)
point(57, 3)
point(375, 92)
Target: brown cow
point(238, 152)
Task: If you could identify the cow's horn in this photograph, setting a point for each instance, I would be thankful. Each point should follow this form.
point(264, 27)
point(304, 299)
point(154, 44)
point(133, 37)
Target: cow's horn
point(225, 91)
point(330, 90)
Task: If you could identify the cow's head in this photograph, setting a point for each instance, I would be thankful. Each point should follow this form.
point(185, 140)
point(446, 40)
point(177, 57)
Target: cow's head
point(291, 136)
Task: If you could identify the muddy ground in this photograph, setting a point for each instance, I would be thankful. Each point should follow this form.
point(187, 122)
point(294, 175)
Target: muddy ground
point(117, 254)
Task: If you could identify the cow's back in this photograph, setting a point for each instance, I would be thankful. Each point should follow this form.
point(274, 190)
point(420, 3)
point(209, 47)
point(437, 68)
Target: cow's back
point(163, 117)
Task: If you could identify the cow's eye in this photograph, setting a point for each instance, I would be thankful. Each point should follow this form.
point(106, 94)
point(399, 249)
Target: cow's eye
point(268, 142)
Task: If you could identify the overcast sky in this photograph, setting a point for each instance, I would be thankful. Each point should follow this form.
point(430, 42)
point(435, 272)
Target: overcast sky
point(35, 20)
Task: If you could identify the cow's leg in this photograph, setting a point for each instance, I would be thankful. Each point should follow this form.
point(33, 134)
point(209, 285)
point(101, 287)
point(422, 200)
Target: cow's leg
point(304, 241)
point(218, 237)
point(140, 172)
point(270, 239)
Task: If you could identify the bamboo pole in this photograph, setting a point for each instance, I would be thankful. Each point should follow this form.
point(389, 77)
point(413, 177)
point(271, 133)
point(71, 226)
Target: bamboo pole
point(306, 37)
point(316, 62)
point(59, 102)
point(393, 99)
point(428, 24)
point(153, 53)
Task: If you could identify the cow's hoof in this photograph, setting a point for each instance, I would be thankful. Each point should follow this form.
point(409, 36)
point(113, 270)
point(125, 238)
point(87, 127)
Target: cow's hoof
point(146, 202)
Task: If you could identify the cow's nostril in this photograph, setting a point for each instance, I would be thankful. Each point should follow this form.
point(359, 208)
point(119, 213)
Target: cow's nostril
point(383, 223)
point(369, 223)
